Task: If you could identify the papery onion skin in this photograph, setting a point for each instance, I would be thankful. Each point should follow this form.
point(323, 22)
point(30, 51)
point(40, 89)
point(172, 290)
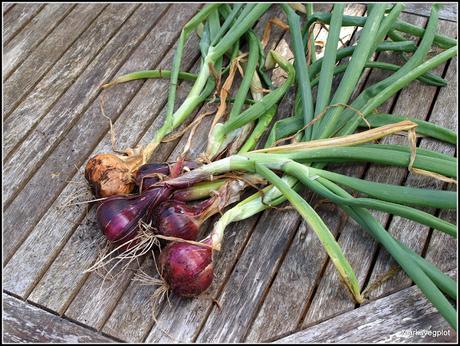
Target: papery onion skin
point(108, 175)
point(187, 269)
point(150, 173)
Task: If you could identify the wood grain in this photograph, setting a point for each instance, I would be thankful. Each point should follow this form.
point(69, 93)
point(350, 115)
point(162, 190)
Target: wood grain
point(442, 249)
point(64, 114)
point(63, 74)
point(46, 55)
point(331, 297)
point(304, 262)
point(17, 18)
point(17, 50)
point(24, 323)
point(360, 245)
point(78, 113)
point(387, 320)
point(6, 7)
point(62, 281)
point(250, 279)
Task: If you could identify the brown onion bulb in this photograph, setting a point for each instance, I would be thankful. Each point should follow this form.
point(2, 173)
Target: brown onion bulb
point(109, 175)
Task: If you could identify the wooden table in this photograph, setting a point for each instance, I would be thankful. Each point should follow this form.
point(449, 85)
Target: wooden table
point(273, 279)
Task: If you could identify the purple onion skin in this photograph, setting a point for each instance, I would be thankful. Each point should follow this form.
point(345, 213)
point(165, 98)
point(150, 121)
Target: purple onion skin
point(118, 216)
point(178, 219)
point(187, 268)
point(146, 174)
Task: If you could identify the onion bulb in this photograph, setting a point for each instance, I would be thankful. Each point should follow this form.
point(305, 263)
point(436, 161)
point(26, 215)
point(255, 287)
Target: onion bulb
point(118, 216)
point(187, 269)
point(110, 174)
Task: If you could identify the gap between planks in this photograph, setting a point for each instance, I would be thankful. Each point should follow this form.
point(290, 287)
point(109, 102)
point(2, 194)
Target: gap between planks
point(20, 25)
point(51, 327)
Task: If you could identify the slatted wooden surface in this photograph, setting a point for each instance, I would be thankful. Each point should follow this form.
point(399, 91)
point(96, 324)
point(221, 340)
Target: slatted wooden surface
point(273, 280)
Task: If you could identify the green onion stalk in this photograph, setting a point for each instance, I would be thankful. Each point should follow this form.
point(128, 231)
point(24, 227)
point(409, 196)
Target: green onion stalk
point(204, 84)
point(330, 139)
point(401, 78)
point(250, 81)
point(258, 204)
point(220, 131)
point(263, 163)
point(272, 196)
point(441, 41)
point(365, 48)
point(424, 128)
point(430, 283)
point(302, 74)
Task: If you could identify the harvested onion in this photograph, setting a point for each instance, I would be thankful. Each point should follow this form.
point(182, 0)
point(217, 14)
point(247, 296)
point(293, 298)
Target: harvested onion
point(186, 268)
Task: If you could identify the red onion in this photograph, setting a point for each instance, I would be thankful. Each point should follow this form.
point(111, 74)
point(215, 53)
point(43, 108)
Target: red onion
point(149, 174)
point(175, 218)
point(118, 216)
point(186, 268)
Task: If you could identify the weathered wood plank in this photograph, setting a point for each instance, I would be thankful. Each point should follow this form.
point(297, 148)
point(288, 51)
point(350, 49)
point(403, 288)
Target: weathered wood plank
point(330, 288)
point(442, 249)
point(6, 7)
point(51, 86)
point(26, 323)
point(62, 280)
point(410, 233)
point(31, 153)
point(250, 279)
point(298, 275)
point(388, 320)
point(188, 316)
point(17, 50)
point(78, 113)
point(447, 12)
point(44, 57)
point(106, 300)
point(133, 301)
point(17, 18)
point(128, 129)
point(132, 317)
